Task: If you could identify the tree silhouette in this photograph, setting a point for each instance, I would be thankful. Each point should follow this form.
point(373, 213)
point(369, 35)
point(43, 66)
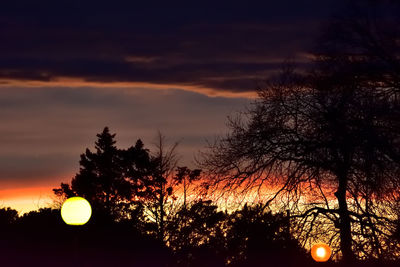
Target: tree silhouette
point(358, 55)
point(108, 177)
point(196, 234)
point(41, 238)
point(256, 237)
point(8, 216)
point(332, 133)
point(158, 185)
point(185, 177)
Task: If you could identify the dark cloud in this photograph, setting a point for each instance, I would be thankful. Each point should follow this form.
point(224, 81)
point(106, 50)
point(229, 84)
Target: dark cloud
point(220, 45)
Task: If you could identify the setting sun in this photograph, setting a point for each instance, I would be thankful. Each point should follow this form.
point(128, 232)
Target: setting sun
point(200, 133)
point(321, 252)
point(76, 211)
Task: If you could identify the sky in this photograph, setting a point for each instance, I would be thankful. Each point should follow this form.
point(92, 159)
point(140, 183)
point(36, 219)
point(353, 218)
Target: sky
point(70, 68)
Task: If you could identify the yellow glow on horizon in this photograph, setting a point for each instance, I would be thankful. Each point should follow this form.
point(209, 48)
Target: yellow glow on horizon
point(76, 211)
point(26, 199)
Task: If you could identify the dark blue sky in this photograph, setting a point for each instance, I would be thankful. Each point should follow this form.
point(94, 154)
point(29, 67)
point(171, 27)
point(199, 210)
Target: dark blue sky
point(223, 45)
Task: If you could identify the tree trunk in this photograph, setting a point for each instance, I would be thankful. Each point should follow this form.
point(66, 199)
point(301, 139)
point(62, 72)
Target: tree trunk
point(344, 221)
point(161, 204)
point(184, 193)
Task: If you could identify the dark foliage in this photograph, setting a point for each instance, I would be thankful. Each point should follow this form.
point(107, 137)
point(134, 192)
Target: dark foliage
point(110, 178)
point(7, 216)
point(255, 238)
point(41, 238)
point(196, 235)
point(332, 132)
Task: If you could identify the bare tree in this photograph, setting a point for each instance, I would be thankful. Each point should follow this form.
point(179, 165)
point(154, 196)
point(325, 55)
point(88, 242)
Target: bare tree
point(329, 138)
point(158, 184)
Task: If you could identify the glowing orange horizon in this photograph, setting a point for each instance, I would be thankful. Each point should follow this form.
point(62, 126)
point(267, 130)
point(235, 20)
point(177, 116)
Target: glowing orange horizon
point(26, 199)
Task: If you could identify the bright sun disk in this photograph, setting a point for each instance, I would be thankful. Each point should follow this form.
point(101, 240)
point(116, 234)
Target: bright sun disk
point(76, 211)
point(321, 252)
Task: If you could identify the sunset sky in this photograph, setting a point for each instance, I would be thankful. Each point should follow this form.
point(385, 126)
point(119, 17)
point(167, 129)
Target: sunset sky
point(70, 68)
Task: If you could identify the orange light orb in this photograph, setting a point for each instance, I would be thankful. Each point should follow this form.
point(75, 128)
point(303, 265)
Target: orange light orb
point(76, 211)
point(321, 252)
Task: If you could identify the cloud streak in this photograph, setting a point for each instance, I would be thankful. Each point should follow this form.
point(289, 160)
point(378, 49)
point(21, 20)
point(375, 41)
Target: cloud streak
point(68, 68)
point(221, 47)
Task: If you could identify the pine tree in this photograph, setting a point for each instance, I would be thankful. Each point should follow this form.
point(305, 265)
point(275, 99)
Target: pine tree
point(102, 177)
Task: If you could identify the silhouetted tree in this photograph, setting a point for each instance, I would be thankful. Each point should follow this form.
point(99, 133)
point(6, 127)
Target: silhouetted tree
point(108, 178)
point(185, 176)
point(42, 218)
point(8, 216)
point(358, 55)
point(158, 184)
point(335, 129)
point(196, 234)
point(41, 238)
point(258, 238)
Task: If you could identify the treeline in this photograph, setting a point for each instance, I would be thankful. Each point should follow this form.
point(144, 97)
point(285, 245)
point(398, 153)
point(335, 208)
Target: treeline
point(327, 138)
point(139, 219)
point(144, 215)
point(199, 236)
